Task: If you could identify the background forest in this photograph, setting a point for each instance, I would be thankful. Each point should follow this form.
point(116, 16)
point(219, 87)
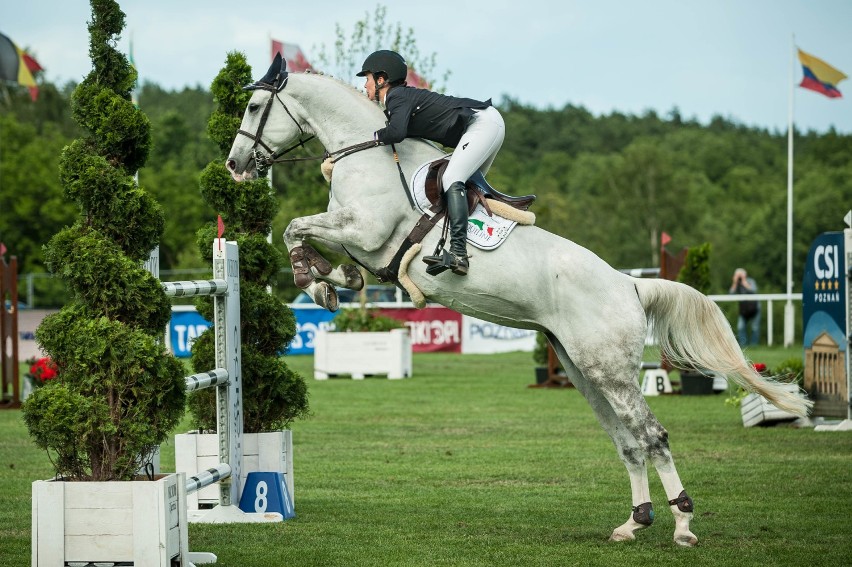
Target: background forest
point(612, 183)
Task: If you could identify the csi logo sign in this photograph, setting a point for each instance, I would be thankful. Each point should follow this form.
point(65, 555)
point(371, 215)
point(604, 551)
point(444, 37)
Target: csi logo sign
point(827, 262)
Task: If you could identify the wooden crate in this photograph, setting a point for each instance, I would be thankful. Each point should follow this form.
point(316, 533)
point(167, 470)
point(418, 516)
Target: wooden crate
point(138, 522)
point(362, 354)
point(262, 452)
point(756, 410)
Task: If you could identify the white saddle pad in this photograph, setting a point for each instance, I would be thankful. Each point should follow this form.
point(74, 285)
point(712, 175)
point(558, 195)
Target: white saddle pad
point(483, 231)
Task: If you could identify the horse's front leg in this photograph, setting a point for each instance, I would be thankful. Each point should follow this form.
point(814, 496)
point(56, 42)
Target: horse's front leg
point(311, 271)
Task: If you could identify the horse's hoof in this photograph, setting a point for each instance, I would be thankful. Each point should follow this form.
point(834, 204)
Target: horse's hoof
point(326, 296)
point(688, 539)
point(622, 536)
point(354, 279)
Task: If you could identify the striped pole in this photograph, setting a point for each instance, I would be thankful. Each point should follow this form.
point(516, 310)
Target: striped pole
point(642, 272)
point(204, 478)
point(195, 287)
point(206, 379)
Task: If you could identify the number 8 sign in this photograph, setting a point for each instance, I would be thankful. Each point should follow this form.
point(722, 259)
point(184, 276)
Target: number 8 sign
point(266, 492)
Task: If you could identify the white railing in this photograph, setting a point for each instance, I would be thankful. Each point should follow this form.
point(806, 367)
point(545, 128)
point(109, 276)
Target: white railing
point(768, 298)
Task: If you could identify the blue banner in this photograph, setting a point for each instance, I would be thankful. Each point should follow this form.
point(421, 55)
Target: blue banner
point(309, 320)
point(184, 327)
point(824, 291)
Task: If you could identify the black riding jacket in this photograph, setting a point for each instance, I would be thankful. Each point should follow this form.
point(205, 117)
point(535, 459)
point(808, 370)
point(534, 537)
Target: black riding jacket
point(420, 113)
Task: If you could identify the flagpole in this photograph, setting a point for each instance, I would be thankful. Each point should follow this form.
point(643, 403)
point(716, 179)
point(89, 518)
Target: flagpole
point(271, 187)
point(788, 308)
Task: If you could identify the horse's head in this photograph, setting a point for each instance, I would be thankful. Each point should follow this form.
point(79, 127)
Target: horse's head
point(259, 138)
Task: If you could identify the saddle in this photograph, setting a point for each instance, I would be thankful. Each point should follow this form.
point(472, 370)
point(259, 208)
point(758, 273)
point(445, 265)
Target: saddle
point(478, 191)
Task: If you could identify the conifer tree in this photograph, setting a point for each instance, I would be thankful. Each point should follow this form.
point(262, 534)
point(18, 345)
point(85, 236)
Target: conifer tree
point(118, 393)
point(273, 395)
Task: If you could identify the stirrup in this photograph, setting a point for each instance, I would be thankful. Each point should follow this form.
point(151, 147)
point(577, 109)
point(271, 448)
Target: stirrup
point(445, 261)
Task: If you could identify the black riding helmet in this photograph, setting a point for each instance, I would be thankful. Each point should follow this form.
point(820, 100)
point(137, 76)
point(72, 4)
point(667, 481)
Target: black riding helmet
point(385, 61)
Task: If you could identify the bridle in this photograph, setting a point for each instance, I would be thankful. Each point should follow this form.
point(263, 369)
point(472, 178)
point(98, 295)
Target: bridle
point(264, 159)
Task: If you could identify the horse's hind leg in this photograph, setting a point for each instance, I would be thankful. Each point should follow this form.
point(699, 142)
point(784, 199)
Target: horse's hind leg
point(632, 410)
point(613, 392)
point(631, 454)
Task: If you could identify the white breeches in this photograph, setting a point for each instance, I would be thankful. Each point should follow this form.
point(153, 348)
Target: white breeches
point(477, 148)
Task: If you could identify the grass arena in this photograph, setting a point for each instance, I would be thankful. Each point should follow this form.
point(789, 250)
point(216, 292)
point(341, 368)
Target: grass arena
point(465, 465)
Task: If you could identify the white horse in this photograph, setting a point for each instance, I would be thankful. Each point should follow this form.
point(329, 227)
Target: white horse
point(595, 317)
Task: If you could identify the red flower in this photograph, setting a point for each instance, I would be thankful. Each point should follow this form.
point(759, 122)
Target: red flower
point(759, 366)
point(43, 369)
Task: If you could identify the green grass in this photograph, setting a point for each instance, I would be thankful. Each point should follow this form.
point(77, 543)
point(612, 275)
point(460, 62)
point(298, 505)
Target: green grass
point(465, 465)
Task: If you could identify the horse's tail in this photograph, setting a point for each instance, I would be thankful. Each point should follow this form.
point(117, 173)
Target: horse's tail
point(693, 333)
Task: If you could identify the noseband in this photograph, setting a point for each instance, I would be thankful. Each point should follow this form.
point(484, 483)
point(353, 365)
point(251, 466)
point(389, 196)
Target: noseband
point(264, 160)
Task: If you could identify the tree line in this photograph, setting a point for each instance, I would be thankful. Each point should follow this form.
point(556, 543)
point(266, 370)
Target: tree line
point(612, 183)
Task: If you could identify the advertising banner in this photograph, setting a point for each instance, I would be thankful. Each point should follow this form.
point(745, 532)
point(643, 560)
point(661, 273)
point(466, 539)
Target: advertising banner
point(184, 328)
point(482, 337)
point(824, 322)
point(824, 290)
point(309, 320)
point(433, 329)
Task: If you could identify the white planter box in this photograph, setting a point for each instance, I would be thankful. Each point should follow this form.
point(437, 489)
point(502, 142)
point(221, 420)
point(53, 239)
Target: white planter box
point(360, 354)
point(262, 452)
point(143, 522)
point(756, 410)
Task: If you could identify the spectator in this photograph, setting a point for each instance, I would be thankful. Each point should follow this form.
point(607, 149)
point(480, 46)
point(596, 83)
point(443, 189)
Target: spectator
point(749, 310)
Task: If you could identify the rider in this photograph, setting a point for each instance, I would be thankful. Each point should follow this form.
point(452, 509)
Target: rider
point(474, 128)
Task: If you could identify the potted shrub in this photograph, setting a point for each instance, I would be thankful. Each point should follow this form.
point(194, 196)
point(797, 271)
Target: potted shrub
point(696, 273)
point(117, 393)
point(363, 343)
point(273, 395)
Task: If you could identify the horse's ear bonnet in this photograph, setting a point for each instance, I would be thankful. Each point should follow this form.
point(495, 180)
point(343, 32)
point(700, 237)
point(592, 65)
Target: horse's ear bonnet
point(275, 78)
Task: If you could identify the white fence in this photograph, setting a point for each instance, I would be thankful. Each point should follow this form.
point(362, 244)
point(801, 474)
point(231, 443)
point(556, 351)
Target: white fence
point(768, 298)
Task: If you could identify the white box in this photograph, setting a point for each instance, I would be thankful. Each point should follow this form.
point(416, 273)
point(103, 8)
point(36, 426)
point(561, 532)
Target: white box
point(360, 354)
point(756, 409)
point(143, 522)
point(262, 452)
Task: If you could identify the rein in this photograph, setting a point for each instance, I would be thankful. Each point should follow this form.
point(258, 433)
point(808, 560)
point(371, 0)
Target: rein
point(263, 161)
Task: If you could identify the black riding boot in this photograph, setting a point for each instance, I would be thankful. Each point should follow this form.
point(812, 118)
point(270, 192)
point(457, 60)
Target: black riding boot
point(456, 258)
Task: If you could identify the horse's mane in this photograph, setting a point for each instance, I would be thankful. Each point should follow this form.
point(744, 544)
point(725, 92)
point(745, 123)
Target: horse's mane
point(358, 96)
point(371, 109)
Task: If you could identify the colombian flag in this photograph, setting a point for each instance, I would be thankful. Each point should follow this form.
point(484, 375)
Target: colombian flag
point(819, 75)
point(18, 66)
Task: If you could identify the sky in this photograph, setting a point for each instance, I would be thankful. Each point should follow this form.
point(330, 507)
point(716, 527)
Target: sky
point(729, 58)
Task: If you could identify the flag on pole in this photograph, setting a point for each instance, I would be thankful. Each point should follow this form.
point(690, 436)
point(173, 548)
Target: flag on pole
point(415, 80)
point(220, 230)
point(819, 75)
point(665, 238)
point(296, 61)
point(18, 66)
point(2, 249)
